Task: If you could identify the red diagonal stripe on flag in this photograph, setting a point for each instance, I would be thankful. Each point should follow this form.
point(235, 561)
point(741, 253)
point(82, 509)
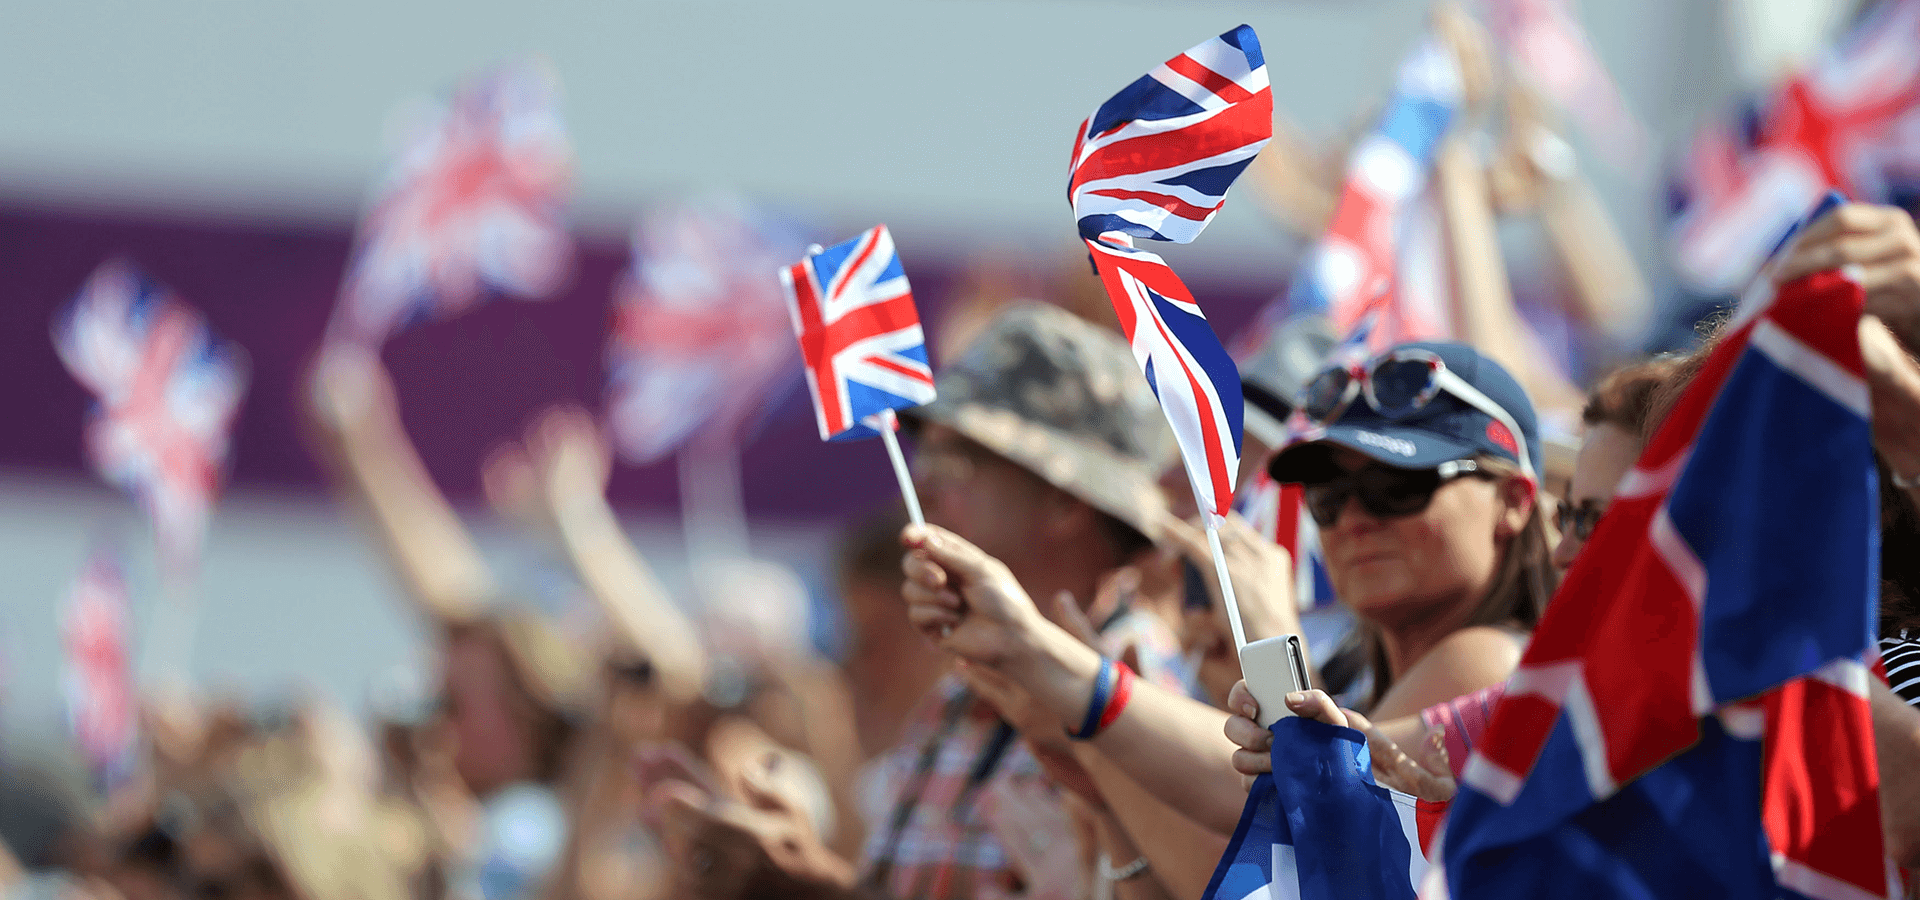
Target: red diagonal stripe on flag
point(1193, 71)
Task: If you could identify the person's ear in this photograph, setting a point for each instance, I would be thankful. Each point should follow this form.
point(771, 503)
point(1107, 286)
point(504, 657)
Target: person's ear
point(1517, 498)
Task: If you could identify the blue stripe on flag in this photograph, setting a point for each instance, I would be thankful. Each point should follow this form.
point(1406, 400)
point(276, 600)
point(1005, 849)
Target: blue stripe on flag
point(1193, 333)
point(1755, 519)
point(1213, 180)
point(1244, 40)
point(830, 260)
point(1093, 226)
point(1668, 830)
point(1145, 99)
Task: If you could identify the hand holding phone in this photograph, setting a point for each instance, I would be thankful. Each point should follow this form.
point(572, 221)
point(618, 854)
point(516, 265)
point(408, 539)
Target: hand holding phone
point(1274, 667)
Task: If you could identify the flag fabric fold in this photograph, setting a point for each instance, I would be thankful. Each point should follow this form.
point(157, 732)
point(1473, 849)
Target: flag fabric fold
point(1319, 828)
point(167, 390)
point(102, 709)
point(1154, 162)
point(473, 204)
point(860, 337)
point(1705, 655)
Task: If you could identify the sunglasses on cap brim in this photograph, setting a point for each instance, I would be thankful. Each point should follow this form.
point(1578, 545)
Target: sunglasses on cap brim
point(1398, 384)
point(1384, 492)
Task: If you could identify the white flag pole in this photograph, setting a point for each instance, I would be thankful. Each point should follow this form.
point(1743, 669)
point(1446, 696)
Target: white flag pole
point(1226, 583)
point(1213, 521)
point(889, 424)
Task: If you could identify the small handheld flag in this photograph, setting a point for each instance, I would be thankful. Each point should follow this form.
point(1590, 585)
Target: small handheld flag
point(861, 343)
point(168, 391)
point(472, 204)
point(1154, 162)
point(102, 714)
point(700, 337)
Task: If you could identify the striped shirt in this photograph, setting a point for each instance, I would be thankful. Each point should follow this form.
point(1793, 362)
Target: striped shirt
point(1465, 720)
point(1900, 654)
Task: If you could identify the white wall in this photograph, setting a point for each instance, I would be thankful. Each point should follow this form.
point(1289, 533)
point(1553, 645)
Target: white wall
point(942, 116)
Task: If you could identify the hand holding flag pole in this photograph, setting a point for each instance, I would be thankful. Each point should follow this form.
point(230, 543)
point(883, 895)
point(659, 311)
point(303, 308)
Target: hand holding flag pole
point(861, 341)
point(1155, 162)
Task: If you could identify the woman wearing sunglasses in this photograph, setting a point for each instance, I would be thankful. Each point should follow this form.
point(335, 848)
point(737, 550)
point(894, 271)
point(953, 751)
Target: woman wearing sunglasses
point(1419, 470)
point(1445, 550)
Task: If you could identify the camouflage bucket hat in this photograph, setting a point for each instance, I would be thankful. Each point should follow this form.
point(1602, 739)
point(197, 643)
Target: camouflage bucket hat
point(1062, 398)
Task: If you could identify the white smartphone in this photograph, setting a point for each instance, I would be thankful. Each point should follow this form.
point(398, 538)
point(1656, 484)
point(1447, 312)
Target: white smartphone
point(1274, 667)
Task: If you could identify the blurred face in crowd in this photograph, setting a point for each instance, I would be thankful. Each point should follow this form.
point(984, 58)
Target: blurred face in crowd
point(490, 716)
point(981, 496)
point(1606, 453)
point(636, 710)
point(1410, 568)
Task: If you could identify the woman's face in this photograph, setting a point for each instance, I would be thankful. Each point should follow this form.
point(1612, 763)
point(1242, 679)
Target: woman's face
point(1606, 453)
point(490, 717)
point(1410, 568)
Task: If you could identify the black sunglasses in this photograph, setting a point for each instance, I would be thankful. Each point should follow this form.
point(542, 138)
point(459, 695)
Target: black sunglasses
point(1384, 492)
point(1578, 521)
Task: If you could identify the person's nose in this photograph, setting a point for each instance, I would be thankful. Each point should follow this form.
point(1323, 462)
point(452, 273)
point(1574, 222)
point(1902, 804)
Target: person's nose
point(1565, 551)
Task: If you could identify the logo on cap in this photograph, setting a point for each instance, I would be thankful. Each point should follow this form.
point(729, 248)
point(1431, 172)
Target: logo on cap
point(1401, 446)
point(1502, 438)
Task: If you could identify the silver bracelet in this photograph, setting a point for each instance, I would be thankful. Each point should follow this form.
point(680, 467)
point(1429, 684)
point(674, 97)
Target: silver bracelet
point(1131, 870)
point(1902, 482)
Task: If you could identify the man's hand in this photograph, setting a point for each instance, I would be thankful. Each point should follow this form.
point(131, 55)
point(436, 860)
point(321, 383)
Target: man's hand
point(963, 599)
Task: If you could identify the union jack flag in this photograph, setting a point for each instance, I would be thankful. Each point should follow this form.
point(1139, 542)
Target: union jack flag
point(1351, 275)
point(700, 335)
point(168, 391)
point(1845, 122)
point(1549, 47)
point(1690, 718)
point(1155, 162)
point(860, 335)
point(102, 714)
point(473, 203)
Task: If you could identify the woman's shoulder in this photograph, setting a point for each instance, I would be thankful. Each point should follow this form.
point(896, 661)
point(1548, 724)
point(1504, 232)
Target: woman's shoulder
point(1497, 640)
point(1465, 661)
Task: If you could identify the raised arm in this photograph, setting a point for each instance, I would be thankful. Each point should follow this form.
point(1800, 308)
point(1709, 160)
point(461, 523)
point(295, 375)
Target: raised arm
point(571, 463)
point(1537, 172)
point(357, 422)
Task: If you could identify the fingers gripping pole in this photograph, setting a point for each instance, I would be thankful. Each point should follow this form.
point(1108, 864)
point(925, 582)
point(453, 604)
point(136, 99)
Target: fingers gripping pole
point(1226, 583)
point(889, 424)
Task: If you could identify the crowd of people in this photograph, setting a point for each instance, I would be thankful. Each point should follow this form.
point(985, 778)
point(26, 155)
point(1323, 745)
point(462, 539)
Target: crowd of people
point(1039, 697)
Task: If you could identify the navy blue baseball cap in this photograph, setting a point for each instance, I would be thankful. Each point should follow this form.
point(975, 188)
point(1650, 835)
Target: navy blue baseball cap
point(1447, 428)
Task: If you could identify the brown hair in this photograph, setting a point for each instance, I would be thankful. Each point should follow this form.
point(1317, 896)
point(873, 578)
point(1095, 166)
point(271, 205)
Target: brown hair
point(1624, 397)
point(1523, 581)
